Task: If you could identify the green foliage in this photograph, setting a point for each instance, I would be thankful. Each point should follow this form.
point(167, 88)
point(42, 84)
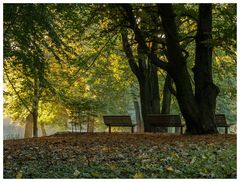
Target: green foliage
point(63, 61)
point(75, 51)
point(224, 30)
point(226, 80)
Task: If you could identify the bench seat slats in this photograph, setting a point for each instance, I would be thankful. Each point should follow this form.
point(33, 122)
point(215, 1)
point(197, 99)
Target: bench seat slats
point(159, 120)
point(167, 124)
point(221, 121)
point(165, 120)
point(122, 121)
point(117, 120)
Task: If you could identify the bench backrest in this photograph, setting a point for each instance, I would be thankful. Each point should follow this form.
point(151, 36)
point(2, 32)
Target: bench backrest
point(123, 120)
point(164, 120)
point(220, 120)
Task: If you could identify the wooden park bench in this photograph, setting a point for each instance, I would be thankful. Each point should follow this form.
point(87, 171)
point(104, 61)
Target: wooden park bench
point(165, 120)
point(221, 121)
point(118, 121)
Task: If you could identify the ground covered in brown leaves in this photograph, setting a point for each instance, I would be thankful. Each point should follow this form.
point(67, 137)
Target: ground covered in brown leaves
point(121, 155)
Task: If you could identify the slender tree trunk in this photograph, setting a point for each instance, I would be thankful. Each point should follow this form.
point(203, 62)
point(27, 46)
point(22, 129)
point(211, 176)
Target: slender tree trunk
point(167, 97)
point(166, 102)
point(138, 117)
point(66, 124)
point(35, 106)
point(90, 124)
point(44, 133)
point(28, 127)
point(149, 95)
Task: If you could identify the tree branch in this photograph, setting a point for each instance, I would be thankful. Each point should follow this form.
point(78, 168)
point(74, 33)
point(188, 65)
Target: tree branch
point(129, 54)
point(171, 89)
point(169, 84)
point(139, 37)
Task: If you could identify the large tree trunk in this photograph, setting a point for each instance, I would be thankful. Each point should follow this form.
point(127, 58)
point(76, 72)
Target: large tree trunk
point(28, 127)
point(177, 69)
point(194, 109)
point(205, 90)
point(186, 99)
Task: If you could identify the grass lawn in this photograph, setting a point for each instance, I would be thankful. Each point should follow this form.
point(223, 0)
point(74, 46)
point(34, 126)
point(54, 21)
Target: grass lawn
point(121, 155)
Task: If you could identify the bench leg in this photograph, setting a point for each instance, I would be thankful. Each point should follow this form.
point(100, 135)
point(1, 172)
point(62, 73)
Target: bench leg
point(132, 129)
point(72, 127)
point(109, 129)
point(181, 130)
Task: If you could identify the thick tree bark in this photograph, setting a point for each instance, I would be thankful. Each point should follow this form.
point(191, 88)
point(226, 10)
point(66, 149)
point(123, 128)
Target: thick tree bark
point(177, 69)
point(28, 127)
point(198, 111)
point(205, 90)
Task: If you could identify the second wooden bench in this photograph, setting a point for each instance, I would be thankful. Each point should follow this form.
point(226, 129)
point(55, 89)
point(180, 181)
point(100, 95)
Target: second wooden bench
point(119, 121)
point(221, 121)
point(165, 120)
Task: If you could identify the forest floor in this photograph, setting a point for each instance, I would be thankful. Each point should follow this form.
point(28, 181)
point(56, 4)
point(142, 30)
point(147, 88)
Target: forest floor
point(121, 155)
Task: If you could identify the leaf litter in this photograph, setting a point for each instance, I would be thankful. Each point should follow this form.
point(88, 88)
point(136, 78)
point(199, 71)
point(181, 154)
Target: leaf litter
point(121, 155)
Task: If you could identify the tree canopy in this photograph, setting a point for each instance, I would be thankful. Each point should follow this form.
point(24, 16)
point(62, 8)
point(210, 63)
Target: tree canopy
point(64, 60)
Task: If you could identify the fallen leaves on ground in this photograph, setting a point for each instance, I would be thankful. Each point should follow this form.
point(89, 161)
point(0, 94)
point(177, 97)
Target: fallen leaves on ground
point(121, 155)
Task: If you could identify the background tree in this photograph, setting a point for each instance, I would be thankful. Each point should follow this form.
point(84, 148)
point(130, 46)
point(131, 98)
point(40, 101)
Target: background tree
point(25, 26)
